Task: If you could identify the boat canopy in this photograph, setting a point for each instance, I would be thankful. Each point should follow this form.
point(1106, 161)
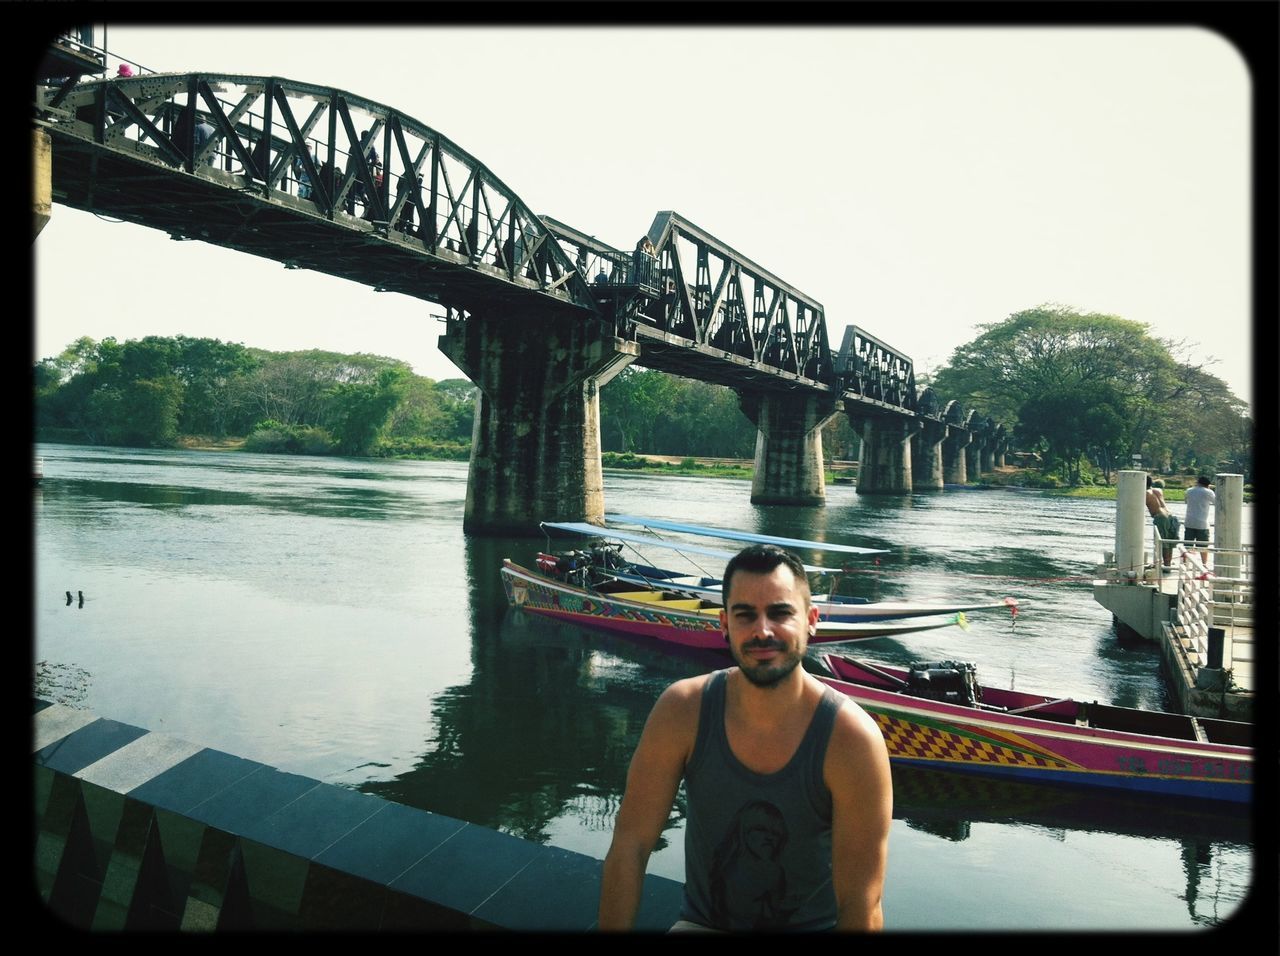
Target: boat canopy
point(595, 531)
point(742, 535)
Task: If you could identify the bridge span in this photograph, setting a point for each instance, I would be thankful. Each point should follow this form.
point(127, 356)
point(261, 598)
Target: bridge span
point(540, 315)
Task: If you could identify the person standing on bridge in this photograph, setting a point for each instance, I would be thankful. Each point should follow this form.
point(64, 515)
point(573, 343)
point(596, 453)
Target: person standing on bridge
point(410, 186)
point(204, 133)
point(643, 261)
point(789, 792)
point(300, 173)
point(357, 193)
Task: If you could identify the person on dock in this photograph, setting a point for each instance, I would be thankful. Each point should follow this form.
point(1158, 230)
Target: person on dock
point(1163, 519)
point(1200, 500)
point(788, 788)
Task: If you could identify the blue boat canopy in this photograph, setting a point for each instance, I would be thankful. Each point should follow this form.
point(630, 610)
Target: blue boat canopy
point(729, 535)
point(596, 531)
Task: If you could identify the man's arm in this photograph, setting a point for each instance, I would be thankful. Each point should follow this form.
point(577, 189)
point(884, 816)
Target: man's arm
point(652, 780)
point(857, 773)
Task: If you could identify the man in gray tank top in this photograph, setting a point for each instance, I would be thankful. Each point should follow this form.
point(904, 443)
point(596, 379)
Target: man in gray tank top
point(787, 781)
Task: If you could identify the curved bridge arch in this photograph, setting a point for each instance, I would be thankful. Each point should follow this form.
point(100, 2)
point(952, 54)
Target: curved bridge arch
point(437, 223)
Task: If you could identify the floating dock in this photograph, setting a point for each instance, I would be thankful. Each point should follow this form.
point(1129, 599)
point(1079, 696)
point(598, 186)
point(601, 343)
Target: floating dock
point(1201, 613)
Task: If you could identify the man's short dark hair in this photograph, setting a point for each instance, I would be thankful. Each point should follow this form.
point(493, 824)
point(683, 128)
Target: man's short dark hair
point(1203, 480)
point(762, 559)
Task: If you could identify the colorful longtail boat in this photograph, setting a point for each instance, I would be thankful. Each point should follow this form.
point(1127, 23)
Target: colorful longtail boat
point(935, 714)
point(604, 560)
point(618, 607)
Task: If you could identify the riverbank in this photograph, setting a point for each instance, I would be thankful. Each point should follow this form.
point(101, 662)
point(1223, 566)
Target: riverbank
point(743, 469)
point(204, 443)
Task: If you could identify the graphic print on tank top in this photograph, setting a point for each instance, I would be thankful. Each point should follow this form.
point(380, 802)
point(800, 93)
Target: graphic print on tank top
point(746, 876)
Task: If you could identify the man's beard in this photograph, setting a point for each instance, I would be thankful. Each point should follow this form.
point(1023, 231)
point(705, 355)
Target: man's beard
point(766, 675)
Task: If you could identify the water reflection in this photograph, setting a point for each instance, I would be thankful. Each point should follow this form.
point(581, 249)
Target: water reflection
point(924, 796)
point(530, 736)
point(545, 727)
point(1214, 847)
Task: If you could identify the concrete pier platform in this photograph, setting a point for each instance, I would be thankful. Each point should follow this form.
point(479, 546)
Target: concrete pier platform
point(1149, 609)
point(1200, 608)
point(137, 830)
point(1225, 692)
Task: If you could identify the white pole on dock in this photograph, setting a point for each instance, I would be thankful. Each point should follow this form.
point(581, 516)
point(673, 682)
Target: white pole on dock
point(1228, 508)
point(1131, 524)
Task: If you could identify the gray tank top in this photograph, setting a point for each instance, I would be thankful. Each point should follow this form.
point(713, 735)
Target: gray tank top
point(758, 846)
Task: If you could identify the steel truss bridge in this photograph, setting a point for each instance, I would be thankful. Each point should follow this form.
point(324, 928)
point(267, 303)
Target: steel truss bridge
point(226, 159)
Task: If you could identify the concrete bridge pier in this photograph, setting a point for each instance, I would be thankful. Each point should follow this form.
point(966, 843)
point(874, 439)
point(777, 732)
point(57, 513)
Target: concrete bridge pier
point(926, 455)
point(884, 467)
point(789, 467)
point(955, 468)
point(1001, 446)
point(988, 458)
point(981, 456)
point(535, 445)
point(42, 180)
point(788, 464)
point(974, 455)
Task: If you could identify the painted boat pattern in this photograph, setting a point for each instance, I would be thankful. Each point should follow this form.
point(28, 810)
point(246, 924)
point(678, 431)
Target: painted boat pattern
point(943, 735)
point(671, 621)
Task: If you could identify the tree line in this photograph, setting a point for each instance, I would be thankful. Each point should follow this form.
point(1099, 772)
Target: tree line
point(1096, 393)
point(1085, 392)
point(148, 392)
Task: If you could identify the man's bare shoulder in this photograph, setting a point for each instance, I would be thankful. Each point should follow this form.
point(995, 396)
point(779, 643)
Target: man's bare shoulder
point(684, 697)
point(855, 731)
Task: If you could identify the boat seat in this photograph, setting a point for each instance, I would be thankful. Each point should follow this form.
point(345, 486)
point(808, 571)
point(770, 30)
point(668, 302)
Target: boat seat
point(692, 604)
point(659, 598)
point(650, 597)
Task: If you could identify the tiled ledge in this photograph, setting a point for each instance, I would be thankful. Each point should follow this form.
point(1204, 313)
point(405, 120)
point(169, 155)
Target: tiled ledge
point(142, 830)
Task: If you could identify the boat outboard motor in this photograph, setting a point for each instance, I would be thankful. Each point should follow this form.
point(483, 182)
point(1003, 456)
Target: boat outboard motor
point(566, 565)
point(955, 682)
point(607, 557)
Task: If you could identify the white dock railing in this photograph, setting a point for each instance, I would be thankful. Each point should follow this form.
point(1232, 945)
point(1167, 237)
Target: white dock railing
point(1220, 596)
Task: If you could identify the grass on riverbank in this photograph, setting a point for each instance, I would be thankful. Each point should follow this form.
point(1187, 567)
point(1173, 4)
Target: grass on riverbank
point(665, 465)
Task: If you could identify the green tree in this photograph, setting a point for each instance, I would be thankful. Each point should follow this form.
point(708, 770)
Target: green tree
point(1074, 382)
point(148, 413)
point(212, 373)
point(457, 397)
point(361, 409)
point(289, 387)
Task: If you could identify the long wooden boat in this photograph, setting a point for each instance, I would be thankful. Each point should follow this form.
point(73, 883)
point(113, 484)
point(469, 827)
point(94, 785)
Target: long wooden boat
point(831, 607)
point(621, 608)
point(604, 561)
point(937, 715)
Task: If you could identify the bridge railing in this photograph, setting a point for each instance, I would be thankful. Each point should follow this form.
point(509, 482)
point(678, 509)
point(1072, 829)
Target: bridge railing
point(317, 145)
point(872, 369)
point(699, 288)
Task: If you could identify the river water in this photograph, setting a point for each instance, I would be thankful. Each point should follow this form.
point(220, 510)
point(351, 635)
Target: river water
point(329, 617)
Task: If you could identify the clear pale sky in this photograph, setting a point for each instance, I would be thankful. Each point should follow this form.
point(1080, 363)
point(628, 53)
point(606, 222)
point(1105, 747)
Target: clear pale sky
point(918, 182)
